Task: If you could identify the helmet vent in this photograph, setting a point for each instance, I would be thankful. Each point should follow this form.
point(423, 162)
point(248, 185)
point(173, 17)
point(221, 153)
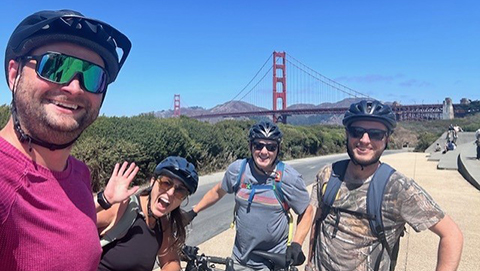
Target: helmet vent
point(47, 26)
point(369, 108)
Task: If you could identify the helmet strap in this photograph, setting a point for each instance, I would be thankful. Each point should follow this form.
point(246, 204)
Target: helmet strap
point(150, 213)
point(158, 223)
point(262, 170)
point(275, 161)
point(24, 137)
point(355, 161)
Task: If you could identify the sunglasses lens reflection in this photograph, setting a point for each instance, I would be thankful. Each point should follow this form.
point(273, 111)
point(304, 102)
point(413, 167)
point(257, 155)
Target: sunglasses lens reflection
point(61, 69)
point(259, 146)
point(167, 184)
point(374, 134)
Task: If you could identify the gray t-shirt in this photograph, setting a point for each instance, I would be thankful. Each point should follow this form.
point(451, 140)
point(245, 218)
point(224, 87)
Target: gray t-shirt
point(263, 225)
point(353, 247)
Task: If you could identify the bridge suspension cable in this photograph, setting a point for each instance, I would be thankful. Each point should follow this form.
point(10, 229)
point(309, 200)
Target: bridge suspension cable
point(259, 81)
point(324, 79)
point(306, 86)
point(255, 76)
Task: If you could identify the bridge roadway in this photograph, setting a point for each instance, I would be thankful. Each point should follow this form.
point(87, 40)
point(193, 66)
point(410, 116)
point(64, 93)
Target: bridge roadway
point(418, 251)
point(403, 112)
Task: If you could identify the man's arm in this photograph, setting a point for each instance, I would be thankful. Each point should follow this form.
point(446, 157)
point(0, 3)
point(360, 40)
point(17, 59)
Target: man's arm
point(210, 198)
point(294, 254)
point(450, 245)
point(313, 235)
point(304, 222)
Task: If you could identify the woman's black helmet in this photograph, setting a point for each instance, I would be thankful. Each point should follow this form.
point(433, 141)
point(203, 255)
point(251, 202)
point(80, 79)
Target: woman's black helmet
point(370, 110)
point(265, 130)
point(179, 168)
point(49, 26)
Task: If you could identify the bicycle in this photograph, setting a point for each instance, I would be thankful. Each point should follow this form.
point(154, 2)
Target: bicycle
point(196, 262)
point(202, 262)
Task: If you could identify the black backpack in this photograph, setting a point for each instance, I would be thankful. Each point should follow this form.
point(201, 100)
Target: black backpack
point(375, 194)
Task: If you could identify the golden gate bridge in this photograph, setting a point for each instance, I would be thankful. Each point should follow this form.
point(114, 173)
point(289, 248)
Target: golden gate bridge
point(305, 87)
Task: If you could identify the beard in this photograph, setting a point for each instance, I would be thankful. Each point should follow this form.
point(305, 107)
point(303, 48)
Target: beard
point(48, 126)
point(363, 163)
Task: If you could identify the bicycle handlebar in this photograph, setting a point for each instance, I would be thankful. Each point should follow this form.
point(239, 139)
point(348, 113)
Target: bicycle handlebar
point(196, 262)
point(218, 260)
point(201, 262)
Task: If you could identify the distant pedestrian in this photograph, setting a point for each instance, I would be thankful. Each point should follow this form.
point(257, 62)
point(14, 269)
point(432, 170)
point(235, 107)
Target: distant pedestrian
point(457, 129)
point(449, 146)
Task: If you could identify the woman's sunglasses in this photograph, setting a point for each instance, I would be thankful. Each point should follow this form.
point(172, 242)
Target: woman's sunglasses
point(61, 69)
point(165, 184)
point(373, 134)
point(270, 146)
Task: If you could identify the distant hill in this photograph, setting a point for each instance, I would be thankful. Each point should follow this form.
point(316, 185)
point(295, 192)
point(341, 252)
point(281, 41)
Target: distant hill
point(235, 106)
point(240, 106)
point(343, 103)
point(187, 111)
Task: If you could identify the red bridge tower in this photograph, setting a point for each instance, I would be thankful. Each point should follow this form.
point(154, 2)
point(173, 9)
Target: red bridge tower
point(282, 79)
point(176, 105)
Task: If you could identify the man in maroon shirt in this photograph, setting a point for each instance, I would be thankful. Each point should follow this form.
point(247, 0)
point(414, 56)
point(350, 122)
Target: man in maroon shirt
point(58, 65)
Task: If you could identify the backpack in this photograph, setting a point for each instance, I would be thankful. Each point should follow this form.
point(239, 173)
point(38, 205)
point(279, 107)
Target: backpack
point(277, 190)
point(375, 194)
point(126, 221)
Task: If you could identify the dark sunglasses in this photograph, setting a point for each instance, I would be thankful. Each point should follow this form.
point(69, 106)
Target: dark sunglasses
point(373, 134)
point(165, 184)
point(270, 147)
point(61, 69)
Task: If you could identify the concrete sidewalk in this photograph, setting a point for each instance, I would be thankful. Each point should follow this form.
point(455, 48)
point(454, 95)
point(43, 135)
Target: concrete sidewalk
point(418, 251)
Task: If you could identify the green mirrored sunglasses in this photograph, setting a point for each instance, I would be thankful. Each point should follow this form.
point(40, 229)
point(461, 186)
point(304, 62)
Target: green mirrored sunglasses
point(61, 69)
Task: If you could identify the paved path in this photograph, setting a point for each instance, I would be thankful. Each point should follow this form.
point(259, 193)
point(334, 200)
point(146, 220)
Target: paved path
point(418, 250)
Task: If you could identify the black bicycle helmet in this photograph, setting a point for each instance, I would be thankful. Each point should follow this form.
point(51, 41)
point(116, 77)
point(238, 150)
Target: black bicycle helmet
point(265, 130)
point(179, 168)
point(370, 110)
point(49, 26)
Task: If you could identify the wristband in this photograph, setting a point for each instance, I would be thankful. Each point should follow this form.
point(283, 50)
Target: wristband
point(103, 201)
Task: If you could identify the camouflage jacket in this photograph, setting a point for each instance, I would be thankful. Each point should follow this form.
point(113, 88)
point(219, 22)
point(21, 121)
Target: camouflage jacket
point(351, 245)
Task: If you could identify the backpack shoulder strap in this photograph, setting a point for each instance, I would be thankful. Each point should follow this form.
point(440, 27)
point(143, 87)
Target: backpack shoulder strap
point(278, 191)
point(277, 186)
point(236, 186)
point(375, 193)
point(241, 175)
point(124, 224)
point(336, 178)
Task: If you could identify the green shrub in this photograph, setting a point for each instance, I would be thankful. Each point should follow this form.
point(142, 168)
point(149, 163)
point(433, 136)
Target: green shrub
point(4, 114)
point(424, 141)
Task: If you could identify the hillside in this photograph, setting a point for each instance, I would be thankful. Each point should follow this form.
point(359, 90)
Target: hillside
point(240, 106)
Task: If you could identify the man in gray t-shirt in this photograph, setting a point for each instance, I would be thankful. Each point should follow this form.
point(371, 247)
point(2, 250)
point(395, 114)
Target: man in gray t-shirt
point(343, 239)
point(261, 220)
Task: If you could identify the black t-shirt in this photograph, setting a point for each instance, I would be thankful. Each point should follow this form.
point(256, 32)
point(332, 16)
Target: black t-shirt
point(137, 250)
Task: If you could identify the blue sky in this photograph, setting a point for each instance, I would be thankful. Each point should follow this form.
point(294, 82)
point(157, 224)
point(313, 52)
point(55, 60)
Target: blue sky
point(207, 51)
